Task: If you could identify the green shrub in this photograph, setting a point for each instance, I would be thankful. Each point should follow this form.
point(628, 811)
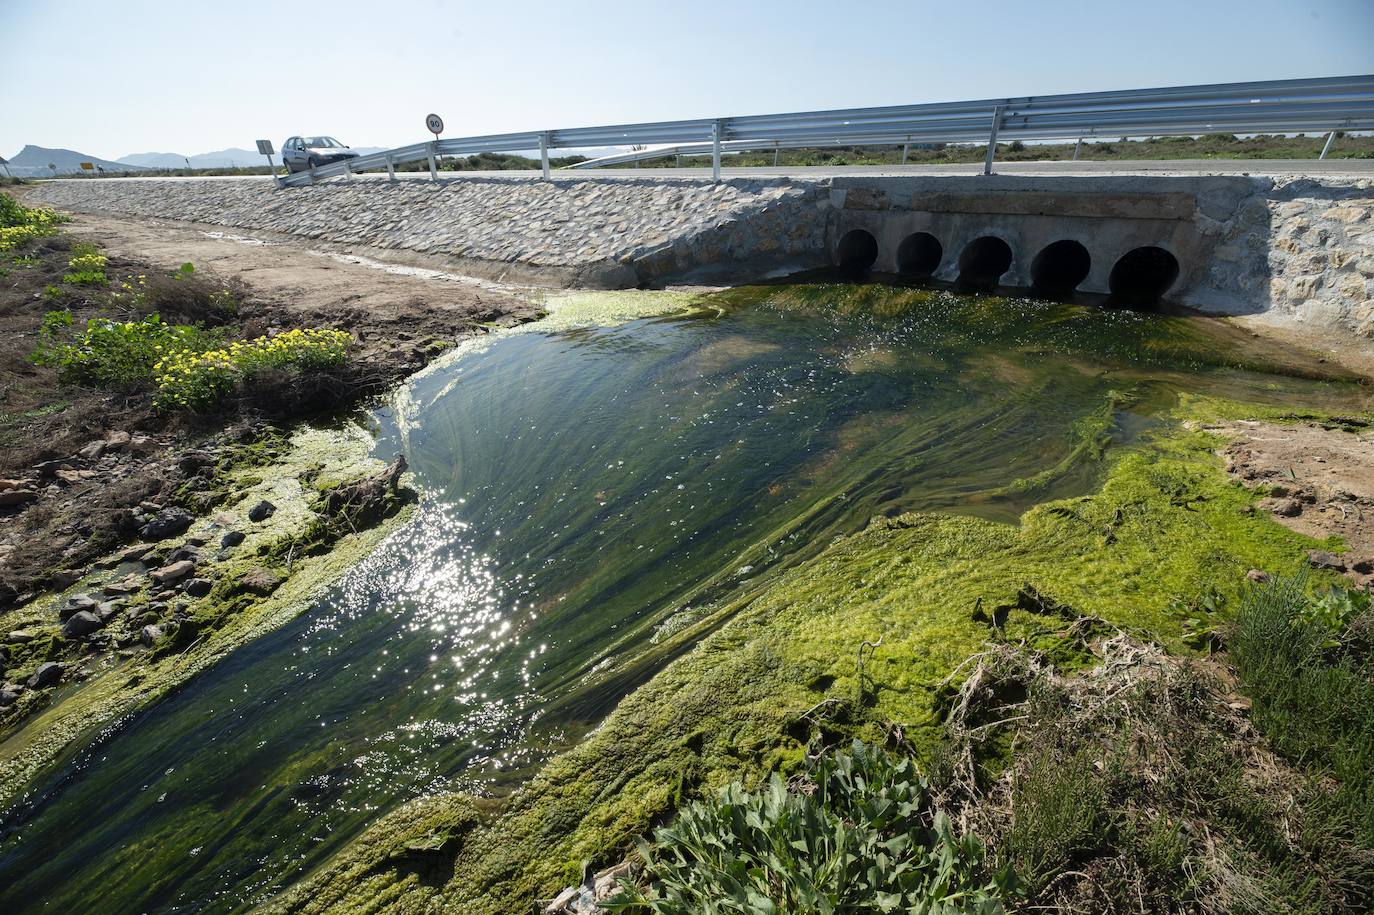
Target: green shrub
point(86, 267)
point(860, 835)
point(117, 355)
point(19, 224)
point(198, 380)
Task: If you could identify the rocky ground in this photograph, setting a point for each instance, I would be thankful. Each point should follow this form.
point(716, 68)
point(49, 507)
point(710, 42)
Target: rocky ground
point(1318, 480)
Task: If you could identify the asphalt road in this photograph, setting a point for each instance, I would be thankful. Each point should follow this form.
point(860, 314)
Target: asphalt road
point(1331, 168)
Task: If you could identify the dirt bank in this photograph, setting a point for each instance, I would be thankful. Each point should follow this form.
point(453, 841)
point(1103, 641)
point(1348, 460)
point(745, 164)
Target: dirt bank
point(1318, 480)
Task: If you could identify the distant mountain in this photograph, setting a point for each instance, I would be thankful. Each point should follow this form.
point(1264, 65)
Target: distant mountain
point(223, 158)
point(34, 161)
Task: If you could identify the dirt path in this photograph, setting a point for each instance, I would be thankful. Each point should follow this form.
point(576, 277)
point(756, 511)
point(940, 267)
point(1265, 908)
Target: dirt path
point(1320, 482)
point(316, 286)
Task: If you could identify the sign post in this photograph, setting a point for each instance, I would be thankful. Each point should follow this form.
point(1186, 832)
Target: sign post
point(4, 163)
point(435, 125)
point(88, 166)
point(265, 148)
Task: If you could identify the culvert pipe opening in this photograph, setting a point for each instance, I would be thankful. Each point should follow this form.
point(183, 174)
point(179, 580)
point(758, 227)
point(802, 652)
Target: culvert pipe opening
point(919, 255)
point(857, 252)
point(1143, 275)
point(983, 262)
point(1060, 267)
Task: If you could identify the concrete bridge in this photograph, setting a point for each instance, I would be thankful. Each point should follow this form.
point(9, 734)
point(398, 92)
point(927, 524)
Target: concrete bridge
point(1293, 248)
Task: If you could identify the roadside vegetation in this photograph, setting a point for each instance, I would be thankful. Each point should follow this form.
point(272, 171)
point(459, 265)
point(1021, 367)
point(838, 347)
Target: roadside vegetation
point(1209, 146)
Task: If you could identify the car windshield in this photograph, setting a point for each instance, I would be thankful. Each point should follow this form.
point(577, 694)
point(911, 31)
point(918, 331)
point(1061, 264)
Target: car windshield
point(326, 142)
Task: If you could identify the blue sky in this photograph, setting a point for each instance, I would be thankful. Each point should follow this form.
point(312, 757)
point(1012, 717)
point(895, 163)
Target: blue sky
point(115, 77)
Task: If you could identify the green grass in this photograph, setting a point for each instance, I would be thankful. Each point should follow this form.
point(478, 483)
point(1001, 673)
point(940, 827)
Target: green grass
point(1311, 675)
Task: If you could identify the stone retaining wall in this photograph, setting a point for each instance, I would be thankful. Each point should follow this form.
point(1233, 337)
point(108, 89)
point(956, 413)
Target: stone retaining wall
point(598, 232)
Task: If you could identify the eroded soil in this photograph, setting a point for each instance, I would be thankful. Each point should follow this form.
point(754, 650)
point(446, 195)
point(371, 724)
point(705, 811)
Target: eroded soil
point(1319, 481)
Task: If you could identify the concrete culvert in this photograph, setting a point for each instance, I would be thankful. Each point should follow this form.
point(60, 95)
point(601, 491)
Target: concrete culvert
point(919, 255)
point(1143, 275)
point(983, 262)
point(1060, 267)
point(857, 251)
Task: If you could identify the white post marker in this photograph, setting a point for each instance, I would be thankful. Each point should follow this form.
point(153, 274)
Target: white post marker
point(435, 125)
point(265, 148)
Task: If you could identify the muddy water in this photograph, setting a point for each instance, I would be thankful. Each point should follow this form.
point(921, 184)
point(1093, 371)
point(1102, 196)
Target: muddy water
point(590, 489)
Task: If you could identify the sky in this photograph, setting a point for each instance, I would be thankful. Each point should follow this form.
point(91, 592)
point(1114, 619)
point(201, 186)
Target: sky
point(116, 77)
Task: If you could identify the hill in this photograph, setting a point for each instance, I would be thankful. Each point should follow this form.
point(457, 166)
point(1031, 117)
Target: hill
point(40, 161)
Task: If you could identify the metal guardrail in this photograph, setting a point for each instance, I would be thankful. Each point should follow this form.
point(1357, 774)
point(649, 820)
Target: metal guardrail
point(1275, 106)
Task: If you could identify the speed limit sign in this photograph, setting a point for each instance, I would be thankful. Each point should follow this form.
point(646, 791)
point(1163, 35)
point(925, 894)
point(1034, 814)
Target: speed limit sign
point(434, 123)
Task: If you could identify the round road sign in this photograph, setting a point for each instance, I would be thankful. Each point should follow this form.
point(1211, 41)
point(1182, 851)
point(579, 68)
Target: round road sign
point(434, 124)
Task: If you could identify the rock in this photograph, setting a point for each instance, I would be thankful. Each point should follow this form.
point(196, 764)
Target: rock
point(64, 578)
point(9, 694)
point(167, 523)
point(46, 675)
point(141, 444)
point(20, 636)
point(92, 452)
point(195, 459)
point(183, 552)
point(1320, 559)
point(126, 585)
point(47, 469)
point(174, 572)
point(1257, 575)
point(83, 623)
point(197, 587)
point(197, 541)
point(12, 498)
point(75, 604)
point(1286, 508)
point(76, 476)
point(262, 511)
point(117, 441)
point(135, 553)
point(260, 581)
point(1363, 566)
point(232, 538)
point(107, 610)
point(6, 485)
point(149, 507)
point(149, 634)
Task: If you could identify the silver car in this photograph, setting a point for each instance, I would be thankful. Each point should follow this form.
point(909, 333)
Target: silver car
point(301, 154)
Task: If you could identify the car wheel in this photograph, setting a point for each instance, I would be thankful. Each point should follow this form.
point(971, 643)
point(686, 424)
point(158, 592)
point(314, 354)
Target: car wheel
point(313, 162)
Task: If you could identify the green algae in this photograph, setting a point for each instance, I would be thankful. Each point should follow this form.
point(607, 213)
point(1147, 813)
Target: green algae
point(1165, 523)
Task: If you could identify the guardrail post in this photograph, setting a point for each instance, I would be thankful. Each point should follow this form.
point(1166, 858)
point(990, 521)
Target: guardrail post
point(544, 153)
point(1077, 147)
point(390, 168)
point(906, 149)
point(992, 139)
point(1330, 138)
point(777, 152)
point(715, 151)
point(433, 168)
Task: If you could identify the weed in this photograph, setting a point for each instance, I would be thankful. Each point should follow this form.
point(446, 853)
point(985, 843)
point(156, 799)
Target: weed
point(859, 834)
point(86, 267)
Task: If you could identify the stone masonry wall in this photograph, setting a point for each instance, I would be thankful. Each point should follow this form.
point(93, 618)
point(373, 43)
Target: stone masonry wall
point(586, 232)
point(1321, 257)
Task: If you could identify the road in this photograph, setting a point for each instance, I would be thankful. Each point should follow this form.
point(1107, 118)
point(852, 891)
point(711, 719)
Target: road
point(1328, 168)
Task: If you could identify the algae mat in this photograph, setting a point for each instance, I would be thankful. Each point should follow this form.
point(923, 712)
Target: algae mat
point(601, 495)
